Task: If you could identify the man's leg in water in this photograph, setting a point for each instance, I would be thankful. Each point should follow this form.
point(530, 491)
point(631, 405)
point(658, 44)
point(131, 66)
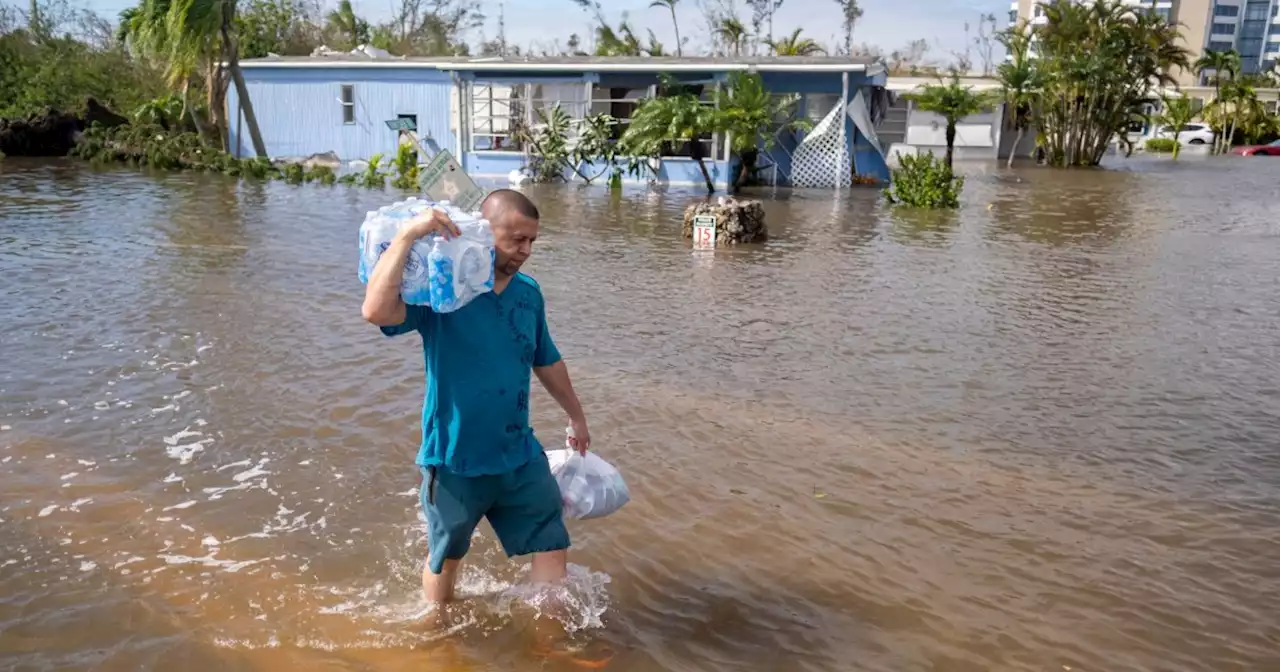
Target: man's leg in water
point(527, 516)
point(453, 506)
point(549, 567)
point(439, 587)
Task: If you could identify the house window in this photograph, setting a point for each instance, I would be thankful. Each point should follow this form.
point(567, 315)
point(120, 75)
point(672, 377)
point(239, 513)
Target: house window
point(496, 112)
point(1226, 10)
point(570, 97)
point(619, 103)
point(706, 144)
point(501, 113)
point(348, 104)
point(1223, 29)
point(1220, 46)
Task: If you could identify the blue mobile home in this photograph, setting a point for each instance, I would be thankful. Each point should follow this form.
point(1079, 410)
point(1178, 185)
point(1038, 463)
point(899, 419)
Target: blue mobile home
point(473, 108)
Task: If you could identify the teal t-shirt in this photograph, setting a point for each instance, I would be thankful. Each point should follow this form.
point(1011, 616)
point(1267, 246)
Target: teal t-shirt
point(475, 415)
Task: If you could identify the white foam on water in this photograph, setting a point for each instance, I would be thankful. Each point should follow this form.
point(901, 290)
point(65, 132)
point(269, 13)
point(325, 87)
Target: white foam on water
point(186, 452)
point(129, 561)
point(304, 463)
point(62, 402)
point(8, 562)
point(187, 504)
point(166, 407)
point(6, 459)
point(67, 477)
point(5, 428)
point(165, 519)
point(187, 433)
point(48, 510)
point(217, 493)
point(182, 395)
point(210, 541)
point(234, 465)
point(173, 478)
point(578, 603)
point(252, 473)
point(88, 566)
point(101, 405)
point(87, 463)
point(75, 506)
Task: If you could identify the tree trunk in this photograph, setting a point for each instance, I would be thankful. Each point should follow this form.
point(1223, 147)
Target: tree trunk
point(1017, 140)
point(676, 24)
point(711, 185)
point(242, 91)
point(746, 166)
point(186, 109)
point(951, 142)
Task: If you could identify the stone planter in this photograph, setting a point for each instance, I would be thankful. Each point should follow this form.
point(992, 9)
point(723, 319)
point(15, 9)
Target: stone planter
point(737, 221)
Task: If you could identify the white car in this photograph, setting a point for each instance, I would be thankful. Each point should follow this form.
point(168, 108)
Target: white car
point(1190, 134)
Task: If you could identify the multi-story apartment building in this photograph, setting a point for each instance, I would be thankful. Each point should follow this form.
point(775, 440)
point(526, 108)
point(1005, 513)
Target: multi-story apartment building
point(1251, 27)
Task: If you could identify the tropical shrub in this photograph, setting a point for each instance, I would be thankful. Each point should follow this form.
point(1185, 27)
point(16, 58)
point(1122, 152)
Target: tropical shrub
point(924, 181)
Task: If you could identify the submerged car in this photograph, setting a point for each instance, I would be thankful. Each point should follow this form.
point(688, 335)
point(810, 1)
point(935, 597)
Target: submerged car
point(1270, 149)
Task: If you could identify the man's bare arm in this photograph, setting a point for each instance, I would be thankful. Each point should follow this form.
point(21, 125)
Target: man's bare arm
point(383, 304)
point(555, 378)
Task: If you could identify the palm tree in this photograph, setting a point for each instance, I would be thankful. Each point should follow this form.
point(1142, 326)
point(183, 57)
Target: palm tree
point(733, 32)
point(749, 114)
point(850, 13)
point(1176, 114)
point(1236, 108)
point(677, 115)
point(1225, 65)
point(344, 22)
point(1021, 79)
point(954, 102)
point(794, 45)
point(670, 5)
point(623, 41)
point(145, 30)
point(186, 34)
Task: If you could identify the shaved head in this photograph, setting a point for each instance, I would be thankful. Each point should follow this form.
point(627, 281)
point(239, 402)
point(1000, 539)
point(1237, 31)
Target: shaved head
point(514, 219)
point(501, 204)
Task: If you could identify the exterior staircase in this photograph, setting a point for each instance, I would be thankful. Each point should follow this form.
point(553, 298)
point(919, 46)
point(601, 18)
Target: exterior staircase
point(893, 127)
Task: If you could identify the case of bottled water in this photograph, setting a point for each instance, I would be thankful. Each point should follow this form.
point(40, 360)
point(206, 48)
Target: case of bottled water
point(445, 274)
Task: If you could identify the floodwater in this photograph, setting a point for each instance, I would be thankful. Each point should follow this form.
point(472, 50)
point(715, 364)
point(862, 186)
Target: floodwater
point(1039, 434)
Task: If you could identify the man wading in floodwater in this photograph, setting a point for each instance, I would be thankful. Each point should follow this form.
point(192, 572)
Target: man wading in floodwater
point(479, 457)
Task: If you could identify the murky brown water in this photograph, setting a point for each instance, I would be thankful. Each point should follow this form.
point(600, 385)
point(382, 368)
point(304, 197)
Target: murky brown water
point(1041, 434)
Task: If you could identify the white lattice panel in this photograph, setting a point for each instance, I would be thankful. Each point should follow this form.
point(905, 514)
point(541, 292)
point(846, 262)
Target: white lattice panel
point(822, 158)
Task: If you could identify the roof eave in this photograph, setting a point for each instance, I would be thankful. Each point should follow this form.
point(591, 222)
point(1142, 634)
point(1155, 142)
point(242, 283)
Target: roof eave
point(567, 67)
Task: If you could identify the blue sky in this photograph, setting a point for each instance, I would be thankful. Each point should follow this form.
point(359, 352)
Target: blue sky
point(888, 24)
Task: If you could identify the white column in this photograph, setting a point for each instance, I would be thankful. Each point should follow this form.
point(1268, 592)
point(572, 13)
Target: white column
point(845, 150)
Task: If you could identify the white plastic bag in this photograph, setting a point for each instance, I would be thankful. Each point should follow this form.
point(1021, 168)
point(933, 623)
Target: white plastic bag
point(590, 487)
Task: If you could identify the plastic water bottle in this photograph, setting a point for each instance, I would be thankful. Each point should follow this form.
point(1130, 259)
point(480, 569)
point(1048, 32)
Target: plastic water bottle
point(445, 274)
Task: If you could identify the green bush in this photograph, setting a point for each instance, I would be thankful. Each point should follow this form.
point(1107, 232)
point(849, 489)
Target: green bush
point(140, 145)
point(1161, 145)
point(321, 174)
point(924, 181)
point(406, 168)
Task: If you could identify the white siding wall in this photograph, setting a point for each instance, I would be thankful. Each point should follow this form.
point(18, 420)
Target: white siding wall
point(300, 111)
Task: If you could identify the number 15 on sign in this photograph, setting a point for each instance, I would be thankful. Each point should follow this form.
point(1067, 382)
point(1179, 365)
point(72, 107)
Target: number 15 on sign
point(704, 232)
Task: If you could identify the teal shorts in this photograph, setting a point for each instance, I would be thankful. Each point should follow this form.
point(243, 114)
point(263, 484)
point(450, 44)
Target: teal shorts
point(522, 505)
